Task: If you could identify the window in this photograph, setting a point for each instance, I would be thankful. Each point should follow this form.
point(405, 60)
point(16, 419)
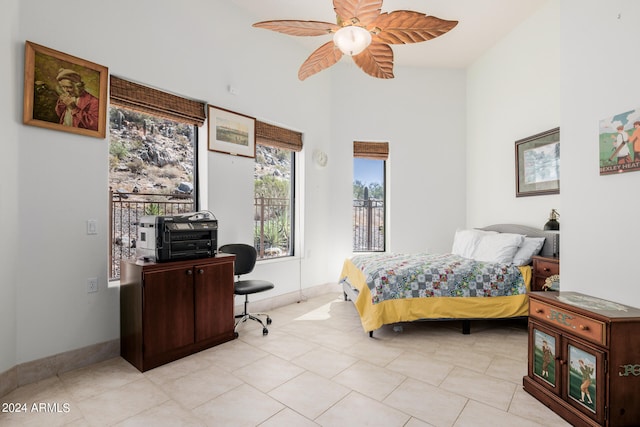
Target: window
point(274, 190)
point(153, 165)
point(369, 163)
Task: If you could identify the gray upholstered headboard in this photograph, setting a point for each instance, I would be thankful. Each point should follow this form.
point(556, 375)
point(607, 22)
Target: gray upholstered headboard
point(547, 248)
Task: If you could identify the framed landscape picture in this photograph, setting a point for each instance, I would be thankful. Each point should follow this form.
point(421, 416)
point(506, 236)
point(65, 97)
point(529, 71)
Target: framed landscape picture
point(63, 92)
point(231, 133)
point(538, 164)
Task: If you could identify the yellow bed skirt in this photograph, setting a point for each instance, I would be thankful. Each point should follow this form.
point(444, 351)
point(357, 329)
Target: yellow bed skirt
point(374, 316)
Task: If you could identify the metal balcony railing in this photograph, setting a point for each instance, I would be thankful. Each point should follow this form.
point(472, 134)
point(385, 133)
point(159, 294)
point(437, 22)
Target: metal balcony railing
point(272, 222)
point(272, 227)
point(126, 210)
point(368, 225)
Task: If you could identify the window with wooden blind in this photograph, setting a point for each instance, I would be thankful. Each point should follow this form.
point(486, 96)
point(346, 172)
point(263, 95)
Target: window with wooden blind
point(369, 195)
point(153, 165)
point(274, 190)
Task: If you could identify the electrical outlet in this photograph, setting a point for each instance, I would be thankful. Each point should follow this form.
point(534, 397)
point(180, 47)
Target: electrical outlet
point(92, 284)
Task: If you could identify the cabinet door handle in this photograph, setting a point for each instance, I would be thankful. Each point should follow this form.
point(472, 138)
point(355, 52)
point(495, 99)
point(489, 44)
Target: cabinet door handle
point(562, 362)
point(200, 271)
point(189, 272)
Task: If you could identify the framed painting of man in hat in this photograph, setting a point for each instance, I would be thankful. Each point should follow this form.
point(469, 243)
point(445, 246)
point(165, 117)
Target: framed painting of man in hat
point(63, 92)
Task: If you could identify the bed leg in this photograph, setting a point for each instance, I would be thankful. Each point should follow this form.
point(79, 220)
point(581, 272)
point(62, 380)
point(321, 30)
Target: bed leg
point(370, 334)
point(466, 327)
point(346, 298)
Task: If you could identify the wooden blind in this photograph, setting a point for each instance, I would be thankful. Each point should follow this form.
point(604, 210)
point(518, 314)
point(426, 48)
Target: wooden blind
point(148, 100)
point(275, 136)
point(371, 150)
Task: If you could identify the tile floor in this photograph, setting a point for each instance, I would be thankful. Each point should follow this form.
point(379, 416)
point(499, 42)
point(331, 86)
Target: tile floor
point(315, 368)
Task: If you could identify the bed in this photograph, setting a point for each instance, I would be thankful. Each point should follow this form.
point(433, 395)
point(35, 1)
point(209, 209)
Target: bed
point(486, 276)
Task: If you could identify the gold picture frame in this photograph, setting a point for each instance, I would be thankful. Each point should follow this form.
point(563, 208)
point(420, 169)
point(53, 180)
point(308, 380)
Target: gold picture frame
point(63, 92)
point(231, 133)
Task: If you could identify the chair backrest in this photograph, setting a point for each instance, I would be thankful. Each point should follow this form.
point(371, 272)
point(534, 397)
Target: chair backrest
point(246, 256)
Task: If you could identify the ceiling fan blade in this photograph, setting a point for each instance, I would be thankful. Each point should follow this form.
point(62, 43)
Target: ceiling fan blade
point(405, 26)
point(323, 57)
point(376, 60)
point(298, 28)
point(363, 11)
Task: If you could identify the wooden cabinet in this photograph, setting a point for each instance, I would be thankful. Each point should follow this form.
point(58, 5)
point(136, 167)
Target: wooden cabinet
point(173, 309)
point(584, 358)
point(543, 267)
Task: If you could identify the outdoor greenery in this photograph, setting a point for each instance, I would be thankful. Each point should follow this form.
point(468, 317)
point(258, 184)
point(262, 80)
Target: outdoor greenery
point(153, 209)
point(271, 187)
point(374, 191)
point(272, 190)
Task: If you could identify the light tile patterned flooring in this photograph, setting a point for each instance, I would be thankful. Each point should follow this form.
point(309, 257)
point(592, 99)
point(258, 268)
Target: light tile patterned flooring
point(316, 367)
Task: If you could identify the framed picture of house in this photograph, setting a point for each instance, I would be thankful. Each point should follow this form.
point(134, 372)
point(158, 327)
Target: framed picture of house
point(231, 133)
point(63, 92)
point(538, 164)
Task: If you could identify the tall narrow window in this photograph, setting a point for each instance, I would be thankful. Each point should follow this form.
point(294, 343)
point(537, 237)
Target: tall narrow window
point(369, 163)
point(274, 190)
point(153, 165)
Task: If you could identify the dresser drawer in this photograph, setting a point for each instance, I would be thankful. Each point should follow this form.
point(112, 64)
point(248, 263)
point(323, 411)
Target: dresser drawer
point(578, 325)
point(546, 268)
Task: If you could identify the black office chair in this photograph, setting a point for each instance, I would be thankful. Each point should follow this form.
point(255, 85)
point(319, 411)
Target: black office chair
point(246, 256)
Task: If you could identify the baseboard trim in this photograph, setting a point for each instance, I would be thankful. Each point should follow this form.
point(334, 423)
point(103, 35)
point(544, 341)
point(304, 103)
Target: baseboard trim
point(8, 381)
point(37, 370)
point(266, 304)
point(40, 369)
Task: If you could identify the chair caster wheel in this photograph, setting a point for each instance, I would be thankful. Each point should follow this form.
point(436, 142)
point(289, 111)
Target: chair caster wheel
point(265, 331)
point(268, 320)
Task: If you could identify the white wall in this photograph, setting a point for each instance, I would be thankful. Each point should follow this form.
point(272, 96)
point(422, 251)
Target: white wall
point(513, 93)
point(56, 181)
point(421, 113)
point(571, 75)
point(199, 53)
point(63, 178)
point(10, 116)
point(599, 71)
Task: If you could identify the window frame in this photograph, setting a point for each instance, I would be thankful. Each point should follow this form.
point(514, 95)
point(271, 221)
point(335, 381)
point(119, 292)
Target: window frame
point(157, 103)
point(293, 200)
point(376, 151)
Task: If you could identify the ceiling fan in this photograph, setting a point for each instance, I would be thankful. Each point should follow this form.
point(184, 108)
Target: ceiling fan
point(362, 32)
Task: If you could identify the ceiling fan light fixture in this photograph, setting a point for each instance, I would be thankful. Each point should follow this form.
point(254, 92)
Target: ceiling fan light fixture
point(363, 32)
point(352, 40)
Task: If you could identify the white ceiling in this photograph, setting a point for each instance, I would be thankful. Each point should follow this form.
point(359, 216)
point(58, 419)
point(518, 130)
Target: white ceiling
point(481, 24)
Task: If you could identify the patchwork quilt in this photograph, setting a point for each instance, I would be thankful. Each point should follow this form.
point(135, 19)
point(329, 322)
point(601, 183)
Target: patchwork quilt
point(401, 276)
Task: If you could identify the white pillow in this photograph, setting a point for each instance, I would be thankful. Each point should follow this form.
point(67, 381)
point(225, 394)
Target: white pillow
point(499, 247)
point(530, 247)
point(465, 242)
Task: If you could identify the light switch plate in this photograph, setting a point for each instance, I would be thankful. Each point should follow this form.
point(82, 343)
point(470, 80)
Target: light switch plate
point(92, 226)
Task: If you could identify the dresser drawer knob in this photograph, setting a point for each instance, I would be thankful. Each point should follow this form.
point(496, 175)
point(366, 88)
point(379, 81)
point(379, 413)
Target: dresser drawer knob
point(546, 269)
point(539, 310)
point(584, 327)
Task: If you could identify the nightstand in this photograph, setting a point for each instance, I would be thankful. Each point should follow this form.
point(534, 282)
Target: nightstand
point(543, 267)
